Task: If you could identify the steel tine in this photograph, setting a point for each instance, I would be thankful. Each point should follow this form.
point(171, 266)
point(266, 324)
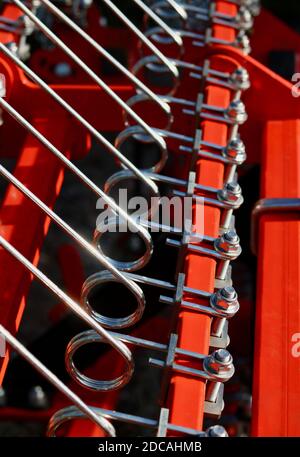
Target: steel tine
point(137, 82)
point(129, 284)
point(178, 8)
point(95, 416)
point(168, 30)
point(160, 56)
point(58, 42)
point(121, 348)
point(90, 184)
point(112, 149)
point(66, 414)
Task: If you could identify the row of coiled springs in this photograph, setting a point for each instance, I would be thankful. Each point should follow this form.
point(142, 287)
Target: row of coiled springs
point(177, 28)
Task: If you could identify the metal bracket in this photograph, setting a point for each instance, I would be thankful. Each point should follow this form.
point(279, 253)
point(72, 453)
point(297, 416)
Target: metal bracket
point(271, 206)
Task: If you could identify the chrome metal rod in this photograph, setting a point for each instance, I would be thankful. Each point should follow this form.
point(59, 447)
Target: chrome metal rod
point(112, 149)
point(137, 82)
point(121, 348)
point(95, 416)
point(71, 232)
point(66, 414)
point(58, 42)
point(178, 8)
point(161, 57)
point(172, 34)
point(90, 184)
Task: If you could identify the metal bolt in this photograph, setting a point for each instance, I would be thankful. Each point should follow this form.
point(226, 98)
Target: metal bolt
point(216, 431)
point(243, 43)
point(244, 18)
point(236, 150)
point(37, 398)
point(231, 197)
point(2, 397)
point(228, 244)
point(225, 301)
point(220, 368)
point(223, 356)
point(240, 79)
point(236, 112)
point(231, 194)
point(219, 365)
point(62, 70)
point(228, 292)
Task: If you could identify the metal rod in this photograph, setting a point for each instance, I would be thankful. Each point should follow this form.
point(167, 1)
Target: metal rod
point(95, 416)
point(58, 42)
point(170, 65)
point(143, 233)
point(66, 414)
point(173, 34)
point(112, 149)
point(71, 232)
point(64, 18)
point(121, 348)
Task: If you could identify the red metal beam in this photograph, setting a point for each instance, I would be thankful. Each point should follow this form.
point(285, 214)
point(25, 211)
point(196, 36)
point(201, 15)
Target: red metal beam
point(276, 388)
point(23, 224)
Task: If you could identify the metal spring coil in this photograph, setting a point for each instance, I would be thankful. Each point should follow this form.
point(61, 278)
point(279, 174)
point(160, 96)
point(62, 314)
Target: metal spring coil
point(117, 270)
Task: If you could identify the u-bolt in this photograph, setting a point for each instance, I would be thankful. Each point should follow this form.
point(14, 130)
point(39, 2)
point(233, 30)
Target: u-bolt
point(105, 336)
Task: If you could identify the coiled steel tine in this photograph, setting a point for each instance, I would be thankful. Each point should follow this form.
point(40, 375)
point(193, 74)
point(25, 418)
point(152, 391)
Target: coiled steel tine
point(137, 82)
point(105, 336)
point(172, 34)
point(156, 33)
point(178, 8)
point(95, 416)
point(112, 149)
point(128, 283)
point(58, 42)
point(90, 184)
point(89, 337)
point(160, 56)
point(64, 415)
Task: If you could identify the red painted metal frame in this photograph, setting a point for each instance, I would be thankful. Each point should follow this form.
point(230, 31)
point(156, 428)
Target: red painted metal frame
point(269, 98)
point(24, 225)
point(276, 388)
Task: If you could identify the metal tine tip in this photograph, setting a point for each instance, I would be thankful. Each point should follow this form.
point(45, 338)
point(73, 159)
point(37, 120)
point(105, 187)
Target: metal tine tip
point(162, 24)
point(66, 414)
point(104, 336)
point(112, 149)
point(95, 416)
point(58, 42)
point(127, 282)
point(144, 234)
point(137, 82)
point(158, 54)
point(179, 8)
